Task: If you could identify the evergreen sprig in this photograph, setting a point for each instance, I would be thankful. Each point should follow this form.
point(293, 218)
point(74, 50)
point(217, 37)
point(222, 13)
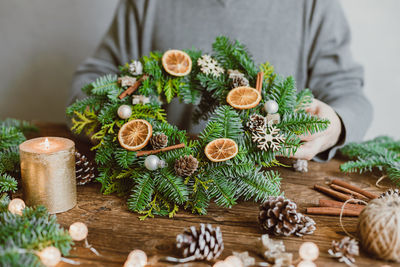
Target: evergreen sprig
point(11, 136)
point(382, 153)
point(21, 236)
point(162, 192)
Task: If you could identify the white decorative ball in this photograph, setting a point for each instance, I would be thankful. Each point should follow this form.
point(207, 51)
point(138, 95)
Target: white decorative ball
point(124, 112)
point(136, 258)
point(234, 261)
point(50, 256)
point(271, 107)
point(152, 162)
point(16, 206)
point(309, 251)
point(78, 231)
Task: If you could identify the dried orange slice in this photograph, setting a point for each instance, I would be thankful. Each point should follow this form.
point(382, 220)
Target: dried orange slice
point(243, 97)
point(177, 62)
point(135, 134)
point(221, 149)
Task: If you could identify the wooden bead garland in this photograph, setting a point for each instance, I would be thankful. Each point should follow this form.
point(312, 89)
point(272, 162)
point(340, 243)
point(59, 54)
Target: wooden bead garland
point(379, 227)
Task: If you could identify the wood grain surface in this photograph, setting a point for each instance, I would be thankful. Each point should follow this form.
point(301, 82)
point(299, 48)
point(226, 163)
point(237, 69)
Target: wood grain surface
point(114, 231)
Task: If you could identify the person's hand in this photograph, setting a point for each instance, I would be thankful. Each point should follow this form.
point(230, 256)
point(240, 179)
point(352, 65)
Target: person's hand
point(320, 141)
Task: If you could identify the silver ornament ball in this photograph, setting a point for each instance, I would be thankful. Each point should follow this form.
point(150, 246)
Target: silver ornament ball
point(124, 112)
point(152, 162)
point(271, 107)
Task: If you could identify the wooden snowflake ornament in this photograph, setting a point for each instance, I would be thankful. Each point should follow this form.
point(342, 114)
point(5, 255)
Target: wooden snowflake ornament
point(208, 65)
point(268, 137)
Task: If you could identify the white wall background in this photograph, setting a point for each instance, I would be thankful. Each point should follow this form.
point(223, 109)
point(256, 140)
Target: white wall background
point(42, 42)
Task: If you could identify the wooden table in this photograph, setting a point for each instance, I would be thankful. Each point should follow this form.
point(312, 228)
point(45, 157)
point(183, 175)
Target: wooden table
point(115, 231)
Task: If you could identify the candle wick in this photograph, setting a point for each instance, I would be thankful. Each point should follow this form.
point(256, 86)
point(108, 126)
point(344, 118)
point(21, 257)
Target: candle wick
point(46, 144)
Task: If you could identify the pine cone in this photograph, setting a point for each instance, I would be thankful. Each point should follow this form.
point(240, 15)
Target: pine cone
point(239, 81)
point(159, 141)
point(390, 192)
point(278, 215)
point(202, 243)
point(84, 169)
point(255, 122)
point(301, 165)
point(345, 250)
point(186, 165)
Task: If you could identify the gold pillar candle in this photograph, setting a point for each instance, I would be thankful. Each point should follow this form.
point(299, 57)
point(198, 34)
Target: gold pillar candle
point(48, 173)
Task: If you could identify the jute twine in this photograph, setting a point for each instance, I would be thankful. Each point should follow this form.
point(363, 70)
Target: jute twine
point(379, 227)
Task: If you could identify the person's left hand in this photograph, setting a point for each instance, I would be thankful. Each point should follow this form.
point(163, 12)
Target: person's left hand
point(321, 141)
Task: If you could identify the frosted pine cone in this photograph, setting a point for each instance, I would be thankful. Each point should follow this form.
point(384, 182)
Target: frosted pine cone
point(136, 68)
point(159, 141)
point(278, 215)
point(301, 165)
point(84, 169)
point(255, 122)
point(186, 165)
point(237, 78)
point(239, 81)
point(345, 250)
point(203, 243)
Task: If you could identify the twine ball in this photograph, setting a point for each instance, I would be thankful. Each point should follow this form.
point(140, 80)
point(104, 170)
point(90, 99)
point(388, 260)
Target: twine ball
point(379, 227)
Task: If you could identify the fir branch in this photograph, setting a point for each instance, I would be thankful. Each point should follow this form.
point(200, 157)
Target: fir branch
point(92, 102)
point(10, 137)
point(7, 183)
point(34, 230)
point(302, 123)
point(303, 100)
point(284, 93)
point(124, 157)
point(23, 126)
point(230, 122)
point(141, 193)
point(171, 186)
point(381, 153)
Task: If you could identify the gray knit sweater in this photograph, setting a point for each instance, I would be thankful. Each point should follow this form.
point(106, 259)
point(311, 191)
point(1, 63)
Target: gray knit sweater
point(308, 39)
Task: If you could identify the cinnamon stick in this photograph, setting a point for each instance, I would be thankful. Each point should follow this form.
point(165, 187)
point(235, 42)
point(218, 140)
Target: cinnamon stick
point(354, 188)
point(156, 151)
point(259, 81)
point(133, 88)
point(348, 191)
point(333, 193)
point(338, 204)
point(332, 211)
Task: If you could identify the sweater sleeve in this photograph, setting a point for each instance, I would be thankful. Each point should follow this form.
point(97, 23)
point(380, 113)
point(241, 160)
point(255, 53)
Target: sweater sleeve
point(333, 76)
point(119, 45)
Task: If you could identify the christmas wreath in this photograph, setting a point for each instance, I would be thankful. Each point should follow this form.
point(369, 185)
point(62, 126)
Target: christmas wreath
point(253, 116)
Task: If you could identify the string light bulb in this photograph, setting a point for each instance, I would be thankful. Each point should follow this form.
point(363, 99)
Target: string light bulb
point(78, 231)
point(136, 258)
point(50, 256)
point(309, 251)
point(16, 206)
point(234, 261)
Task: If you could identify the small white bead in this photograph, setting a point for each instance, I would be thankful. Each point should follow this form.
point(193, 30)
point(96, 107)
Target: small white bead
point(50, 256)
point(136, 258)
point(124, 112)
point(309, 251)
point(16, 206)
point(152, 162)
point(271, 107)
point(78, 231)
